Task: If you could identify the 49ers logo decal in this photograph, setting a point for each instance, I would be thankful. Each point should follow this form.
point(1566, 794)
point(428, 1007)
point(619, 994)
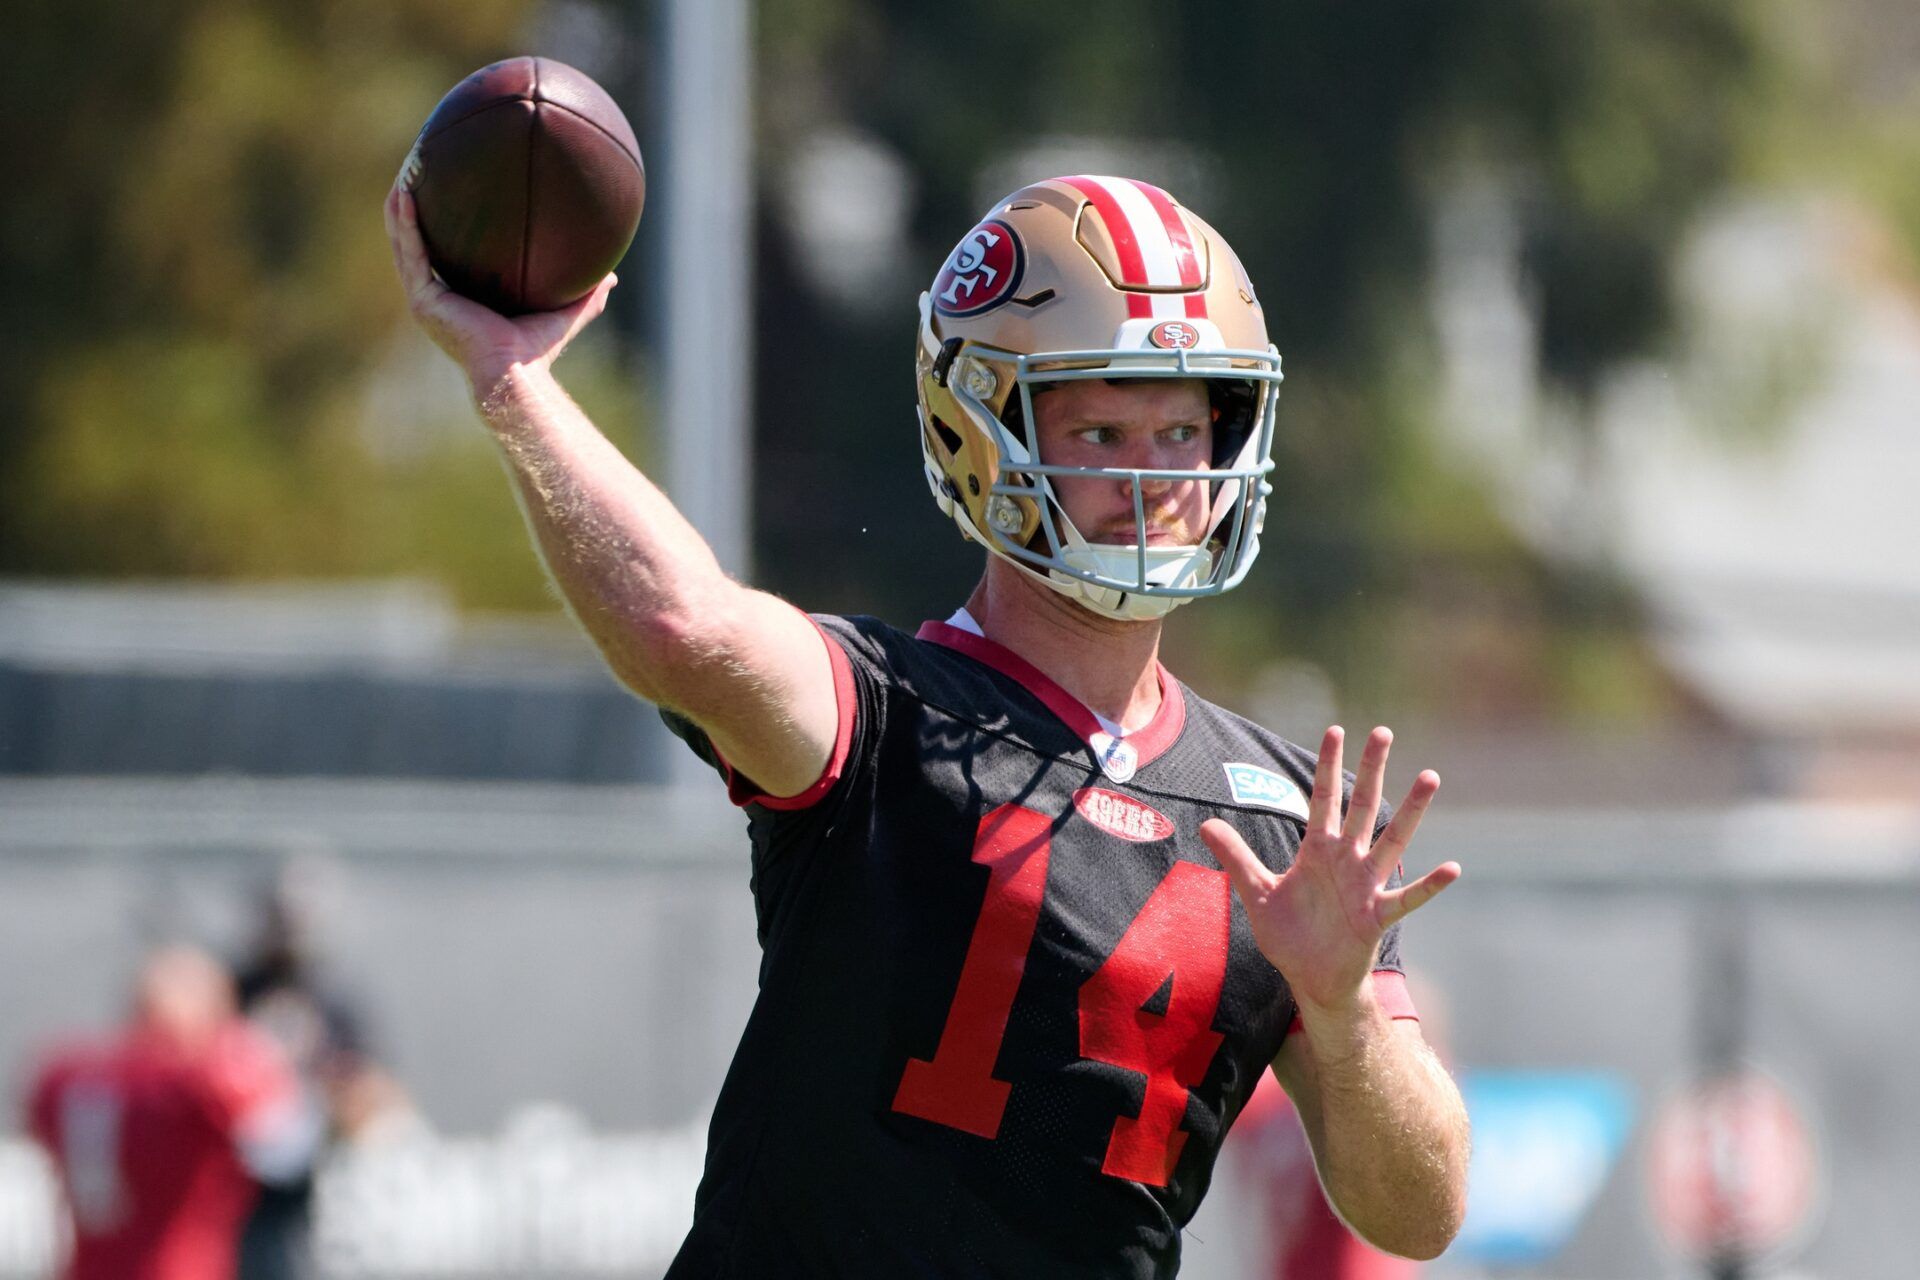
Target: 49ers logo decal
point(1175, 335)
point(982, 271)
point(1122, 816)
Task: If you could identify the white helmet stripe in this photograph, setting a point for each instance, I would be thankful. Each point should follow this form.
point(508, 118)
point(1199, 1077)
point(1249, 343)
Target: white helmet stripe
point(1153, 242)
point(1157, 254)
point(1168, 306)
point(1180, 239)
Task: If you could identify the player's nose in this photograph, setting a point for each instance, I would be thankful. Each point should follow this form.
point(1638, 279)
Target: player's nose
point(1151, 486)
point(1140, 455)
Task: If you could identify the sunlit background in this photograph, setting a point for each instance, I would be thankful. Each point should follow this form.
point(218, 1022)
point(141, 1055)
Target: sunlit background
point(1596, 479)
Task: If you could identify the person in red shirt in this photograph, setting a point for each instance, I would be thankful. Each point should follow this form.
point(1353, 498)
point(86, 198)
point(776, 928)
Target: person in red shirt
point(1306, 1238)
point(161, 1131)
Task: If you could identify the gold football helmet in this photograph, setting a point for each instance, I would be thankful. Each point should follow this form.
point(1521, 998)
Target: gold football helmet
point(1093, 277)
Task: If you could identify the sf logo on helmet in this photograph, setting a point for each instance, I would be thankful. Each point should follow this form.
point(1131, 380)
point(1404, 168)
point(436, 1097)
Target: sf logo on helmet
point(1177, 335)
point(981, 272)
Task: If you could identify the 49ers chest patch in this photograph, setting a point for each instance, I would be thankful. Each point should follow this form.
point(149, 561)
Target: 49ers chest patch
point(1122, 816)
point(981, 272)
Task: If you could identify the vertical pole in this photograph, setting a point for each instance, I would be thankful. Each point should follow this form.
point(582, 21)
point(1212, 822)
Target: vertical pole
point(705, 335)
point(705, 330)
point(1723, 1032)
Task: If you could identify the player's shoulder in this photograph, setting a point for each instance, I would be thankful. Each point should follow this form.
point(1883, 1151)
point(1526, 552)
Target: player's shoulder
point(878, 653)
point(52, 1064)
point(245, 1068)
point(941, 676)
point(922, 668)
point(1211, 725)
point(101, 1062)
point(862, 636)
point(1259, 768)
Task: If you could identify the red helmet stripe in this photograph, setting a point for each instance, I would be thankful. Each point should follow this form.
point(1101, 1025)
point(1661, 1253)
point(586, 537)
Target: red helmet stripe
point(1133, 267)
point(1152, 244)
point(1184, 257)
point(1159, 258)
point(1181, 242)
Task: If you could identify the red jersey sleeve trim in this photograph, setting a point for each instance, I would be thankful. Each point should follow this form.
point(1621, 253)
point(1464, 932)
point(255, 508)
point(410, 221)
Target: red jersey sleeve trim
point(741, 789)
point(1390, 989)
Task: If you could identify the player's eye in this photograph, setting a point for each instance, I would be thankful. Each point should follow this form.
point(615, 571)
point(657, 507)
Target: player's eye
point(1183, 434)
point(1099, 435)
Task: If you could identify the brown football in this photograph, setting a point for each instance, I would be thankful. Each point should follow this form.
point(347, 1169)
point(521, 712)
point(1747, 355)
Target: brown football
point(528, 182)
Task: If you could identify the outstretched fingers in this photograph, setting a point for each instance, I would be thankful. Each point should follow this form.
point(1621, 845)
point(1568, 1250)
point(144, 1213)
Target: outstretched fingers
point(1251, 879)
point(1392, 845)
point(1397, 904)
point(1369, 781)
point(1323, 806)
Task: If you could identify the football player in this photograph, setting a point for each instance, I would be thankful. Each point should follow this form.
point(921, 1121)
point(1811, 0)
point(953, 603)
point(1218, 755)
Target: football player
point(1035, 916)
point(162, 1132)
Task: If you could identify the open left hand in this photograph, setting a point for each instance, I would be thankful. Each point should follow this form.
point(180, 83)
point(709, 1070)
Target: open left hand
point(1321, 920)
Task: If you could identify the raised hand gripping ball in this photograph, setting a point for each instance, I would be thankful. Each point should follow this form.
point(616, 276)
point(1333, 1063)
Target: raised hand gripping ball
point(528, 183)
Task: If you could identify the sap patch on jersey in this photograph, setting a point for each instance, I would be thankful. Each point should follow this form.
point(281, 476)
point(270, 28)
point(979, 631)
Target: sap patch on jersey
point(1251, 784)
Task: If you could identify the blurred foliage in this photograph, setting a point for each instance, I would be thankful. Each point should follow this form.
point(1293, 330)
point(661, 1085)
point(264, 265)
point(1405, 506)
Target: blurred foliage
point(211, 374)
point(1850, 118)
point(196, 282)
point(1330, 129)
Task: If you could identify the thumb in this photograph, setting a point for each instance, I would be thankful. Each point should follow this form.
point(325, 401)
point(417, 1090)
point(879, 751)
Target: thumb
point(559, 327)
point(1250, 876)
point(585, 311)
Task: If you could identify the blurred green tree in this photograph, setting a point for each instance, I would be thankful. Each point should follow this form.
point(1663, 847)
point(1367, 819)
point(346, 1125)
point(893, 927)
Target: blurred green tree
point(197, 288)
point(1326, 132)
point(209, 367)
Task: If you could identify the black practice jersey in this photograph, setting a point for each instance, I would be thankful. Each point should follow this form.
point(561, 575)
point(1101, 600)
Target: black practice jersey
point(1008, 1003)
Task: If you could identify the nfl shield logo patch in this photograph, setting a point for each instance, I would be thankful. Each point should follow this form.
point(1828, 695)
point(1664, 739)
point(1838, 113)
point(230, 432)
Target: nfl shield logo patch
point(1118, 760)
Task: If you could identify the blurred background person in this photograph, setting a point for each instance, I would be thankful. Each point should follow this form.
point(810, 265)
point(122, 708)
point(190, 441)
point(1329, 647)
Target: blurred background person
point(1306, 1240)
point(286, 992)
point(161, 1129)
point(1299, 1236)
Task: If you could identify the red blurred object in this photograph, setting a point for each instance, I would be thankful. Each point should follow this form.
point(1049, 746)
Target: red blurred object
point(1733, 1171)
point(1310, 1241)
point(146, 1129)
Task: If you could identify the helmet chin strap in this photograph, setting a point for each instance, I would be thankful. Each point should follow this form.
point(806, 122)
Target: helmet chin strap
point(1167, 566)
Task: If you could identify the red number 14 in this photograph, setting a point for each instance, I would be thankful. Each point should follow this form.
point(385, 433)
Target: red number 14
point(1177, 945)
